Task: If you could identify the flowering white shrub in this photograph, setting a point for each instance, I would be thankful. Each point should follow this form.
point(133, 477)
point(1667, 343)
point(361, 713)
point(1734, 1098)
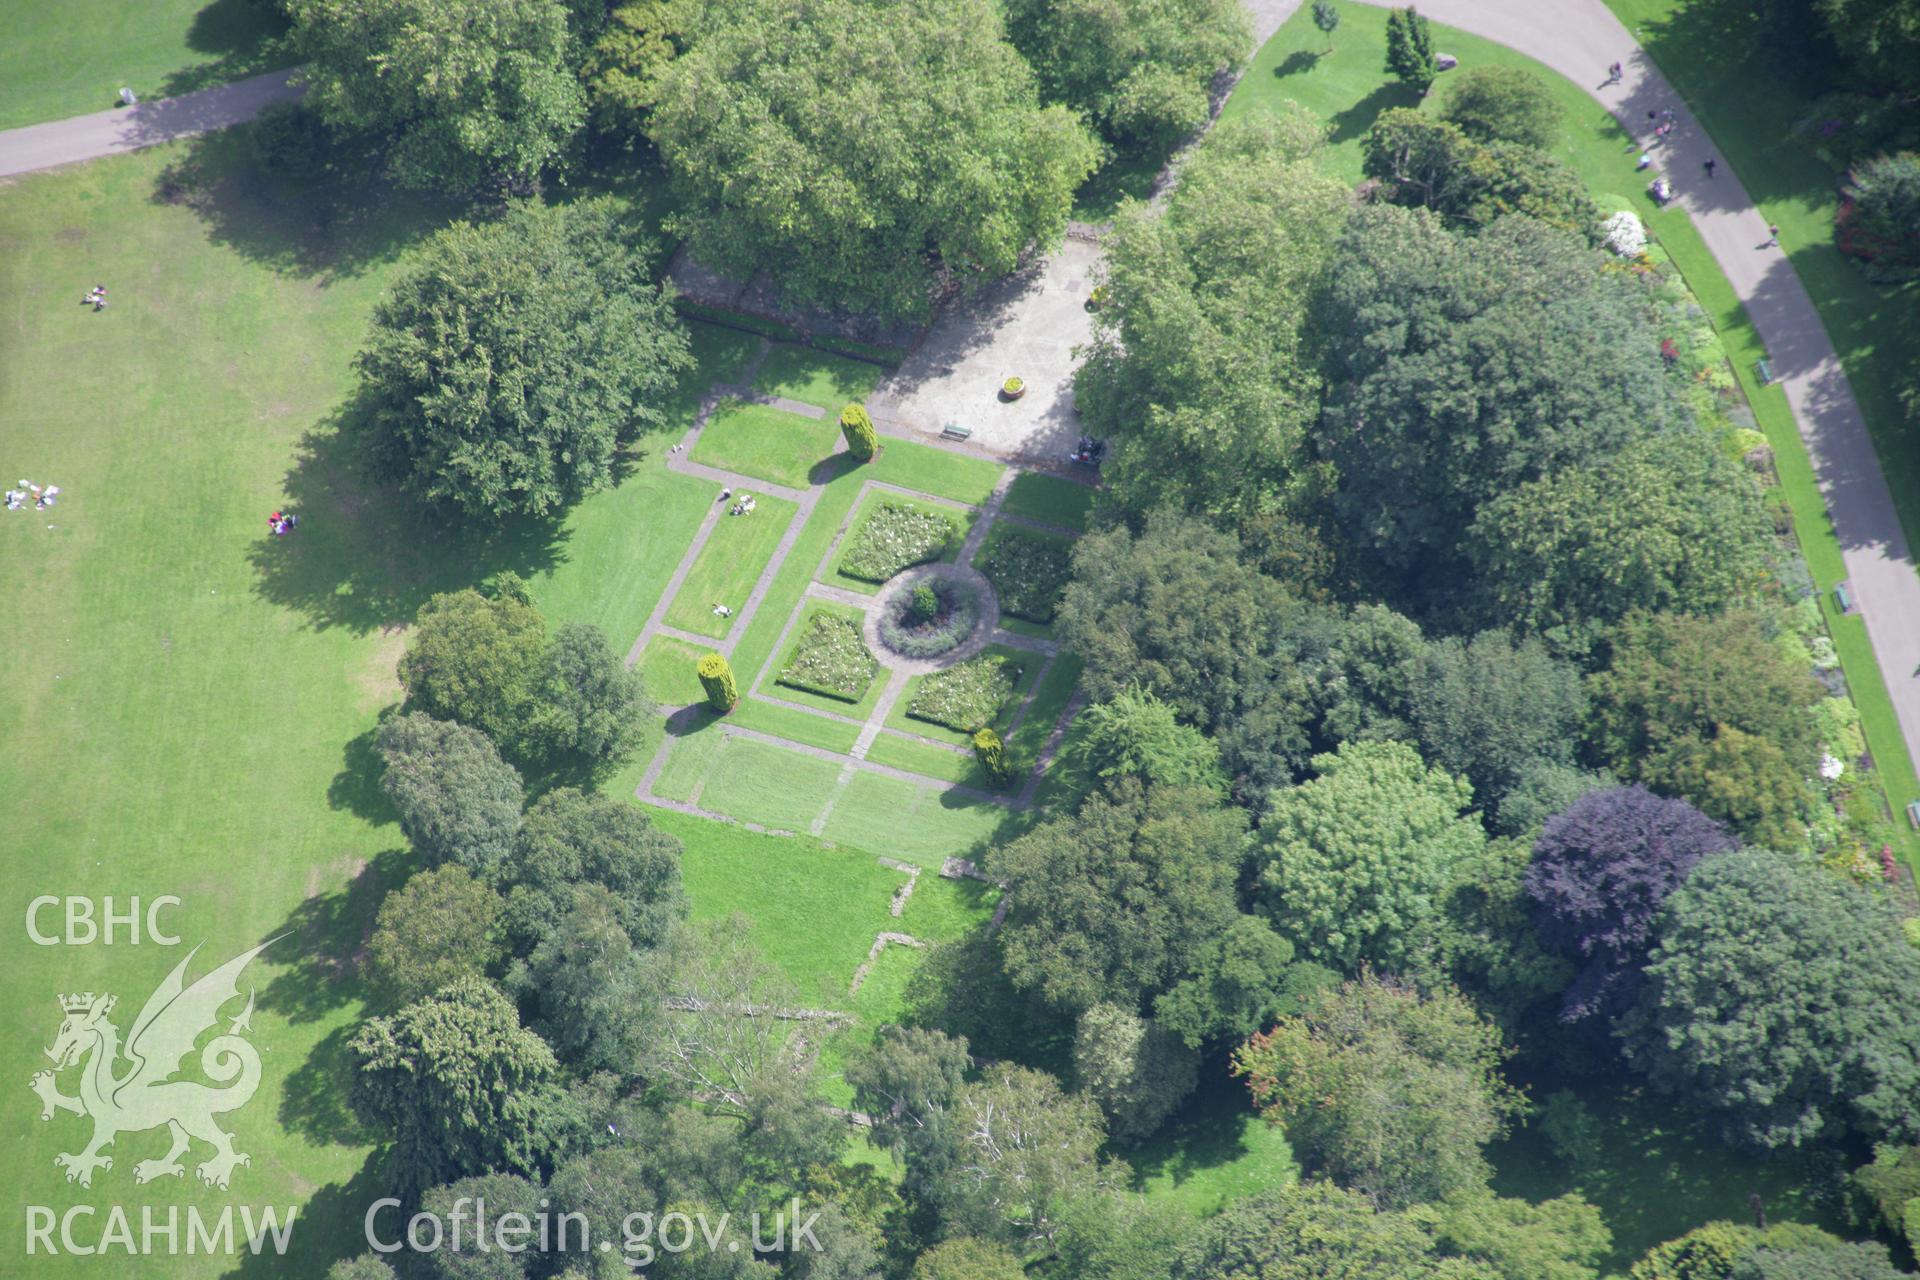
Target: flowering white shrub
point(1625, 235)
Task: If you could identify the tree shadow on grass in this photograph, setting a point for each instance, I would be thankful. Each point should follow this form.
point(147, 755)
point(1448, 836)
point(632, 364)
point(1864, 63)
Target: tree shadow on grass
point(1208, 1131)
point(691, 719)
point(829, 469)
point(245, 39)
point(1296, 62)
point(325, 936)
point(356, 788)
point(365, 556)
point(337, 224)
point(313, 1103)
point(330, 1226)
point(1358, 118)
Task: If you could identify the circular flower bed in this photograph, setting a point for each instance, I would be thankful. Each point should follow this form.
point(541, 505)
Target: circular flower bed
point(912, 632)
point(1013, 388)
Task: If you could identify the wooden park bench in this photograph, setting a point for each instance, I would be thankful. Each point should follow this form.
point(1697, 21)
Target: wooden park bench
point(954, 431)
point(1763, 369)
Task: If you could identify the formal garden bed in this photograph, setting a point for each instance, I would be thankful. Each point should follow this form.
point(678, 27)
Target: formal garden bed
point(1028, 569)
point(929, 618)
point(893, 537)
point(830, 658)
point(969, 696)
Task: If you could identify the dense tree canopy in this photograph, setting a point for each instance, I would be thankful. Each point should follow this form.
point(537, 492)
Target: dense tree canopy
point(1485, 943)
point(1353, 865)
point(1201, 348)
point(1714, 709)
point(1018, 1151)
point(506, 367)
point(1424, 162)
point(485, 660)
point(1391, 1093)
point(1236, 979)
point(1783, 1000)
point(1495, 711)
point(598, 996)
point(454, 1083)
point(1826, 1260)
point(1463, 367)
point(626, 60)
point(1316, 1231)
point(439, 927)
point(1600, 873)
point(1665, 524)
point(471, 90)
point(870, 153)
point(1135, 735)
point(1140, 70)
point(472, 657)
point(574, 838)
point(968, 1258)
point(1181, 613)
point(457, 800)
point(1503, 104)
point(1881, 38)
point(591, 704)
point(1564, 1238)
point(1138, 1072)
point(1110, 903)
point(1882, 218)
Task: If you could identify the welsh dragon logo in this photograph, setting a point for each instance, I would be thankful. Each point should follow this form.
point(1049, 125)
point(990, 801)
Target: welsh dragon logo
point(143, 1095)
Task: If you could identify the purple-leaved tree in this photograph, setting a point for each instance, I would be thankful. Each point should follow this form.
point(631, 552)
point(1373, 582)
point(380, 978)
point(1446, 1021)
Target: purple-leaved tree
point(1600, 871)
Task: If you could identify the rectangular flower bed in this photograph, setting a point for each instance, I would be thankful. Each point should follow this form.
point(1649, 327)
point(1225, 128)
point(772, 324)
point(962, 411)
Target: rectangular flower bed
point(966, 697)
point(831, 659)
point(1028, 569)
point(894, 537)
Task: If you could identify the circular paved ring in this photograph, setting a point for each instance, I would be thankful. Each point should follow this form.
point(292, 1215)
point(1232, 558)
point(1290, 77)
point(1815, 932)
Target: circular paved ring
point(906, 580)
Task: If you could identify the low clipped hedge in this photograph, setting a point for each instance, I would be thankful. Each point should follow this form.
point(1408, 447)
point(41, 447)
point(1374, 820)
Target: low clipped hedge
point(966, 697)
point(959, 612)
point(831, 659)
point(1028, 569)
point(895, 537)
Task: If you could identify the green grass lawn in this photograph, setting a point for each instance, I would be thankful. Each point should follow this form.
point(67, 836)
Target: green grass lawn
point(767, 443)
point(1039, 496)
point(181, 717)
point(723, 353)
point(815, 909)
point(767, 784)
point(667, 663)
point(909, 821)
point(72, 58)
point(927, 760)
point(806, 727)
point(815, 377)
point(1214, 1150)
point(1348, 88)
point(727, 567)
point(189, 700)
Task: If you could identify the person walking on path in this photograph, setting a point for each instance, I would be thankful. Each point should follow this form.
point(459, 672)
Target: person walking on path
point(1773, 237)
point(1710, 166)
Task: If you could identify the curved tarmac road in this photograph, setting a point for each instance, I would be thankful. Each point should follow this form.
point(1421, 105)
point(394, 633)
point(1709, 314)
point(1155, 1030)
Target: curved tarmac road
point(1577, 38)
